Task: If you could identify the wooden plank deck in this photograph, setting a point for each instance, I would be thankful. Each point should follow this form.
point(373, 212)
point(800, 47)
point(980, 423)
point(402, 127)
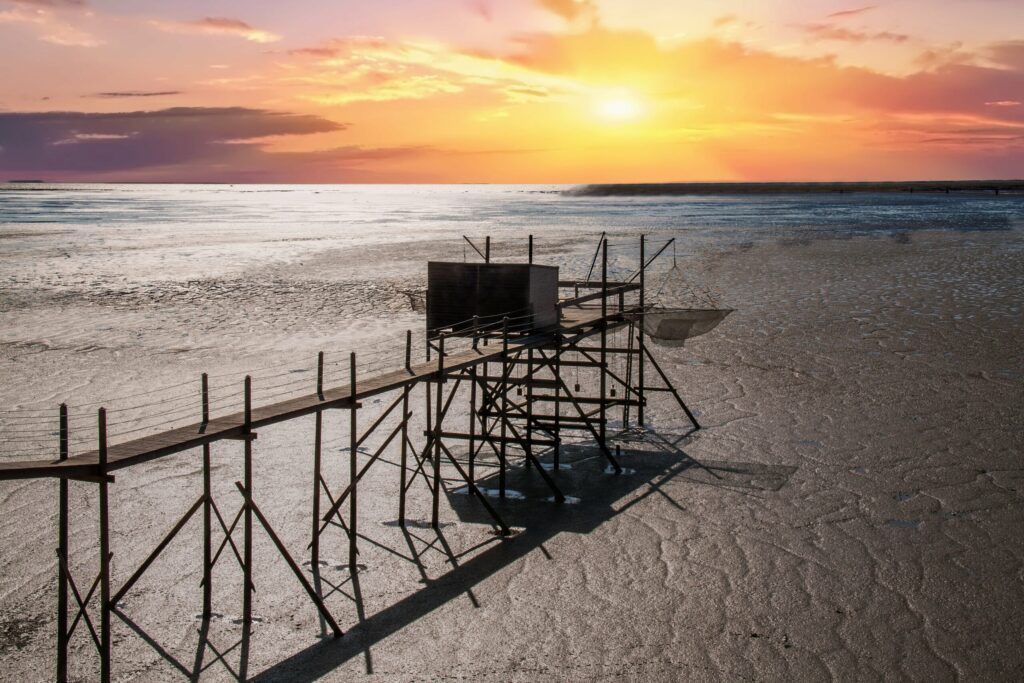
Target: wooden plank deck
point(575, 320)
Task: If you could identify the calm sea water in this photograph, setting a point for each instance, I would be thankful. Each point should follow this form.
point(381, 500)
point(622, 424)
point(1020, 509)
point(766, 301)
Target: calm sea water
point(403, 211)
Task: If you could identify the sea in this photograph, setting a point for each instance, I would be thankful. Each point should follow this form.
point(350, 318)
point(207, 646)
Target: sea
point(375, 212)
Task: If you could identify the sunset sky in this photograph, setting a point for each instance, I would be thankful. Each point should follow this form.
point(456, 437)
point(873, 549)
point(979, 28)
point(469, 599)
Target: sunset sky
point(539, 91)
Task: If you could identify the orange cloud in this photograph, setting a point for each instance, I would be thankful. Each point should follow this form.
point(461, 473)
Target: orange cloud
point(571, 9)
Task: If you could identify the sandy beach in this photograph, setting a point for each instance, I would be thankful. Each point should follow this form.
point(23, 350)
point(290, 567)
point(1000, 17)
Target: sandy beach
point(852, 509)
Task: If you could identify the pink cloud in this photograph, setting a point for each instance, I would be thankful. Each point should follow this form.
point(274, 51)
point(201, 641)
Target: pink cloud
point(842, 14)
point(482, 8)
point(52, 4)
point(51, 26)
point(227, 26)
point(846, 35)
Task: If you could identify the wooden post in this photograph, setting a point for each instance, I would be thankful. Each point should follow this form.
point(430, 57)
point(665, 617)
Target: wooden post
point(629, 374)
point(247, 505)
point(557, 371)
point(353, 466)
point(640, 338)
point(531, 249)
point(104, 505)
point(62, 556)
point(437, 433)
point(318, 432)
point(472, 402)
point(405, 456)
point(528, 379)
point(405, 431)
point(504, 405)
point(604, 343)
point(487, 249)
point(207, 506)
point(320, 375)
point(472, 423)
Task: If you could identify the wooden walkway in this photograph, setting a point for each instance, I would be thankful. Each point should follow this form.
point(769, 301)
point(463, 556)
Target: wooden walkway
point(575, 320)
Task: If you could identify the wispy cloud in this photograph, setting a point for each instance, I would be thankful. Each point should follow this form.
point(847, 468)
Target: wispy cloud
point(857, 11)
point(373, 68)
point(136, 93)
point(225, 26)
point(51, 24)
point(847, 35)
point(724, 20)
point(54, 4)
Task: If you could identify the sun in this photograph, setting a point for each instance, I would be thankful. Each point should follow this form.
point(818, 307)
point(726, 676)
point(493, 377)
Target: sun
point(618, 107)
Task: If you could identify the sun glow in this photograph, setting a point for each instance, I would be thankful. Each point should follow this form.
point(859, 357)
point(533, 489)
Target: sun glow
point(619, 107)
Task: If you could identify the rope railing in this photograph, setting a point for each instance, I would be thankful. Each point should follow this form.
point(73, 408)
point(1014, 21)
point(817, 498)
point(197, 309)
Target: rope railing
point(31, 432)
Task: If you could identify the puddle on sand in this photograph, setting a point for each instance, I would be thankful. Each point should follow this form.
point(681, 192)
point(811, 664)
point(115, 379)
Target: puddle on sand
point(510, 494)
point(569, 500)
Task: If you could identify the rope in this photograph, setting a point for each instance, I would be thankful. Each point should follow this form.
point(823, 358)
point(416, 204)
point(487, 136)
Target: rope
point(704, 296)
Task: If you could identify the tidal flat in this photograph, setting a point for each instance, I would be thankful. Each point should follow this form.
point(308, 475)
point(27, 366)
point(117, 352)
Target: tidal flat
point(852, 509)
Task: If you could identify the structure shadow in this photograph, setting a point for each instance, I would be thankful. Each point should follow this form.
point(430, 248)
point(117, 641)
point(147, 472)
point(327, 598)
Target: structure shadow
point(595, 494)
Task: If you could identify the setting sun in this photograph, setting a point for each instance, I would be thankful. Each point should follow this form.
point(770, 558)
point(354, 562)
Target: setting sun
point(510, 91)
point(619, 108)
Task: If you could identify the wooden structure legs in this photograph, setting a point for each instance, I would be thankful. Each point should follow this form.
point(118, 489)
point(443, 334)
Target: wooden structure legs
point(520, 406)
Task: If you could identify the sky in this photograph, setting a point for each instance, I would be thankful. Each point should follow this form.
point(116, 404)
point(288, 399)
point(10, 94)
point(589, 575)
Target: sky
point(511, 91)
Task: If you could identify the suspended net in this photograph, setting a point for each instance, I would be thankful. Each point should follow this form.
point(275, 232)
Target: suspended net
point(672, 325)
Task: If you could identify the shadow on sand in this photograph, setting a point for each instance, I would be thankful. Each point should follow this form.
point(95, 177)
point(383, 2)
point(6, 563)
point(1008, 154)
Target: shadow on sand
point(595, 495)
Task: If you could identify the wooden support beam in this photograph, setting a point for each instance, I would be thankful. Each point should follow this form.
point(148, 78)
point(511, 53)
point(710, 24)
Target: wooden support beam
point(565, 363)
point(587, 401)
point(602, 295)
point(466, 436)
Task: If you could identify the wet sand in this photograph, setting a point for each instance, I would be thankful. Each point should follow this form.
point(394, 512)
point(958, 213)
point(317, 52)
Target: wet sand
point(852, 509)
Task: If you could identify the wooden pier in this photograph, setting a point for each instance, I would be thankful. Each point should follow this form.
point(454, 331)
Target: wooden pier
point(511, 378)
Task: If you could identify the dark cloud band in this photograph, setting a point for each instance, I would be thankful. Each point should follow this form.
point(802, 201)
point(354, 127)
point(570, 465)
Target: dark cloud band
point(79, 142)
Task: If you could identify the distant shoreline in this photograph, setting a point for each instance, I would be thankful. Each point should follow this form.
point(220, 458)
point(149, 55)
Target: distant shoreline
point(990, 187)
point(924, 186)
